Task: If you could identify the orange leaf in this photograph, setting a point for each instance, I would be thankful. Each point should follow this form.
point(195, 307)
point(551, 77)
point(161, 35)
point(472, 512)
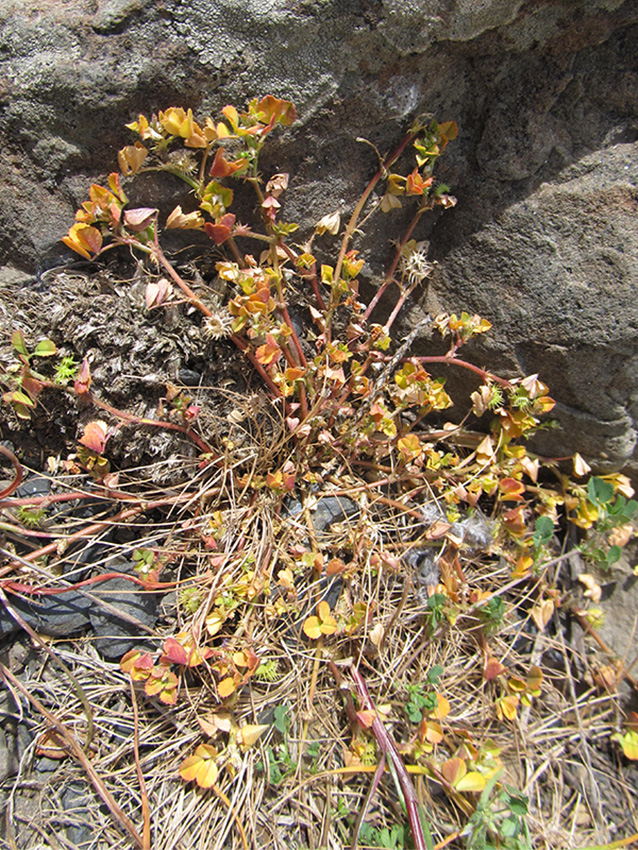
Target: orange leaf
point(162, 683)
point(226, 687)
point(430, 731)
point(51, 744)
point(511, 489)
point(84, 239)
point(507, 706)
point(201, 767)
point(131, 157)
point(442, 709)
point(221, 167)
point(454, 770)
point(273, 110)
point(137, 664)
point(366, 717)
point(221, 230)
point(269, 352)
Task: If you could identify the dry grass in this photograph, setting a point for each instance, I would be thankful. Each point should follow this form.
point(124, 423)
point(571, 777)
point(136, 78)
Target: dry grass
point(556, 751)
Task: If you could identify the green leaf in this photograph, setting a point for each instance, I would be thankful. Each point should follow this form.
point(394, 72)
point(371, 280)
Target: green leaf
point(622, 508)
point(413, 712)
point(46, 348)
point(18, 397)
point(599, 492)
point(613, 555)
point(543, 531)
point(17, 341)
point(281, 721)
point(434, 674)
point(517, 804)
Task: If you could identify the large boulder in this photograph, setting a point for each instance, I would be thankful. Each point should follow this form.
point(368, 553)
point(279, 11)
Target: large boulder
point(543, 241)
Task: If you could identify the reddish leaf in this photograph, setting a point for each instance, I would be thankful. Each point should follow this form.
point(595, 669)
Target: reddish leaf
point(137, 664)
point(269, 352)
point(493, 668)
point(512, 489)
point(139, 219)
point(52, 745)
point(175, 652)
point(454, 770)
point(94, 436)
point(83, 380)
point(221, 230)
point(162, 683)
point(30, 384)
point(415, 184)
point(221, 167)
point(273, 111)
point(185, 652)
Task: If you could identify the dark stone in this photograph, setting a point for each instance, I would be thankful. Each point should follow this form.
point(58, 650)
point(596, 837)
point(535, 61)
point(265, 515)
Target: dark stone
point(34, 487)
point(120, 612)
point(77, 801)
point(129, 625)
point(58, 616)
point(189, 377)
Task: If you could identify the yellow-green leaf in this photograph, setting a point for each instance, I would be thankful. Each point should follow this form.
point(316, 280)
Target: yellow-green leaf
point(201, 767)
point(472, 781)
point(629, 743)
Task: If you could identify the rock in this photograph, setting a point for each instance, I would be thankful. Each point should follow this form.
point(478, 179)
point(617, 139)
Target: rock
point(34, 487)
point(58, 616)
point(120, 613)
point(78, 800)
point(543, 240)
point(136, 612)
point(189, 377)
point(325, 511)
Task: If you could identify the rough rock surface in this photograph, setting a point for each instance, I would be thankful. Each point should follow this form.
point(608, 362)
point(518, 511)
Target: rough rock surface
point(544, 239)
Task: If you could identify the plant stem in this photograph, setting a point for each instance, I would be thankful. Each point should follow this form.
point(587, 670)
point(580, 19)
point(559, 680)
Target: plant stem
point(11, 488)
point(389, 278)
point(388, 748)
point(452, 360)
point(352, 224)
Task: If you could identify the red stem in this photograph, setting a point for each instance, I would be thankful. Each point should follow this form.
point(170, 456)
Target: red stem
point(352, 224)
point(245, 348)
point(17, 587)
point(389, 278)
point(18, 476)
point(157, 423)
point(96, 527)
point(451, 360)
point(388, 748)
